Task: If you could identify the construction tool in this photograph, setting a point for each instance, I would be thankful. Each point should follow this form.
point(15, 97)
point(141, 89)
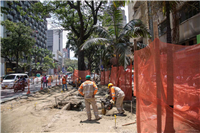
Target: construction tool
point(106, 104)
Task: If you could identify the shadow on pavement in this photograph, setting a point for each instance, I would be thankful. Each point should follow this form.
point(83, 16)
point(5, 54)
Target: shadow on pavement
point(91, 122)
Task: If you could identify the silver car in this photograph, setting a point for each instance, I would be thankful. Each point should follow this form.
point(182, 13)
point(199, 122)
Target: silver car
point(9, 80)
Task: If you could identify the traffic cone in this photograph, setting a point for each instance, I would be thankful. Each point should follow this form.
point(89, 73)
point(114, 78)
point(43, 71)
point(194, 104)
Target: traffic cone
point(28, 92)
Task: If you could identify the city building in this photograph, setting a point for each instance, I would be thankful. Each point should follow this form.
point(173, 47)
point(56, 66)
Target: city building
point(124, 17)
point(185, 26)
point(55, 44)
point(66, 53)
point(139, 10)
point(40, 28)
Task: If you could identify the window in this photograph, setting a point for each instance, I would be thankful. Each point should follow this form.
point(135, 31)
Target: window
point(162, 28)
point(188, 10)
point(191, 42)
point(9, 77)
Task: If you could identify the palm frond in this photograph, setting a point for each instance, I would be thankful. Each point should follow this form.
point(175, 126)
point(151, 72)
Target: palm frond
point(134, 28)
point(95, 41)
point(102, 32)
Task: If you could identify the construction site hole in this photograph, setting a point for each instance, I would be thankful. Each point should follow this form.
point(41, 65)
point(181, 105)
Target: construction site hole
point(70, 106)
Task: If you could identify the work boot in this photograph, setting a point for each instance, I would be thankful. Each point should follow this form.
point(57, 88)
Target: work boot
point(100, 117)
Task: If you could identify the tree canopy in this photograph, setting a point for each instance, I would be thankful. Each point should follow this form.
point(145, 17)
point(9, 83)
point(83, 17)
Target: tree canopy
point(18, 43)
point(77, 17)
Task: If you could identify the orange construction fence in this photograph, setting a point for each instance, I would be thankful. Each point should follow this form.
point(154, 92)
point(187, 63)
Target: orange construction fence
point(167, 87)
point(121, 78)
point(105, 77)
point(82, 74)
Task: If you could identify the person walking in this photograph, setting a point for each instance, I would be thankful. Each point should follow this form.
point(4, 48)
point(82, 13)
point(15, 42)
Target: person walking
point(88, 89)
point(44, 79)
point(64, 83)
point(118, 95)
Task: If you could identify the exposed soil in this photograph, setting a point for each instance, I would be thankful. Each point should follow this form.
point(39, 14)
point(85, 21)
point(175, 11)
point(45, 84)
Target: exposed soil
point(42, 112)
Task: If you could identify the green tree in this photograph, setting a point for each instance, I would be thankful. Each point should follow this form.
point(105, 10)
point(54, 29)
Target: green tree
point(70, 69)
point(71, 63)
point(76, 17)
point(116, 37)
point(18, 43)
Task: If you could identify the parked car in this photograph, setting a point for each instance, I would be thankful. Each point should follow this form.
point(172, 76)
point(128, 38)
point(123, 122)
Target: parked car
point(10, 79)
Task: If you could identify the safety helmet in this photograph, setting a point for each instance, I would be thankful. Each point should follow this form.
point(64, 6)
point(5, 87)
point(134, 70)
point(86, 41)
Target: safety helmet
point(110, 84)
point(87, 77)
point(79, 77)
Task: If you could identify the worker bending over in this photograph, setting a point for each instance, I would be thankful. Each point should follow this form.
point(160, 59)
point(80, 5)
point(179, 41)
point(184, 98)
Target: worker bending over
point(88, 89)
point(118, 95)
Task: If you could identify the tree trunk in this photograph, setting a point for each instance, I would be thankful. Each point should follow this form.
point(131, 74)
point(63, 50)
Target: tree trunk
point(81, 64)
point(17, 56)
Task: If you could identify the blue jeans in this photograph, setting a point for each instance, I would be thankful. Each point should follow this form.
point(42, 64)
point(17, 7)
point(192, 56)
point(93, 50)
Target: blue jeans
point(65, 87)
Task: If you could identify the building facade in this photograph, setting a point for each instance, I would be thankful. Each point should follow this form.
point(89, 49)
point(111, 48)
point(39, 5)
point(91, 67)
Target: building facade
point(66, 53)
point(39, 28)
point(184, 25)
point(55, 44)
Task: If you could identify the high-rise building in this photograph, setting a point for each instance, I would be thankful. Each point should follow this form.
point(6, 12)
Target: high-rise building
point(66, 53)
point(55, 44)
point(39, 27)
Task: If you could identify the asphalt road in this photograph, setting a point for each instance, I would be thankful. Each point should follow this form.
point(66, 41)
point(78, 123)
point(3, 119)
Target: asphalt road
point(8, 94)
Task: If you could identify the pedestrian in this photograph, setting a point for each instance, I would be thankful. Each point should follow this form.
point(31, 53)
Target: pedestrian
point(44, 79)
point(49, 82)
point(64, 83)
point(118, 94)
point(88, 89)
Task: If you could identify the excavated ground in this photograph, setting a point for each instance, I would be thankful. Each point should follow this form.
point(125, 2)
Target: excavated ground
point(51, 110)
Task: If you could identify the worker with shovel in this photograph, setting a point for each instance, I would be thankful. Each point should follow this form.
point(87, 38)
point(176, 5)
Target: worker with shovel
point(118, 94)
point(88, 89)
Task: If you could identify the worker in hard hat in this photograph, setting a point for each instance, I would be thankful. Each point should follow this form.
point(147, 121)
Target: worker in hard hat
point(77, 82)
point(88, 89)
point(118, 96)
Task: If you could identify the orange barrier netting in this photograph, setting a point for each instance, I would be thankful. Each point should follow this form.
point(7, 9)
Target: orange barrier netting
point(114, 76)
point(81, 74)
point(105, 77)
point(125, 81)
point(167, 87)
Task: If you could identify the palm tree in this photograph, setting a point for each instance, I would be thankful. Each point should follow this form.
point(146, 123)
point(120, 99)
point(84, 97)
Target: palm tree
point(118, 39)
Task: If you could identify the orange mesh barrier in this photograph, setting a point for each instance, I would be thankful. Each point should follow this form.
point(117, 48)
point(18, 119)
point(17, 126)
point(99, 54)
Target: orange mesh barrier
point(81, 74)
point(102, 77)
point(167, 87)
point(125, 81)
point(114, 76)
point(105, 77)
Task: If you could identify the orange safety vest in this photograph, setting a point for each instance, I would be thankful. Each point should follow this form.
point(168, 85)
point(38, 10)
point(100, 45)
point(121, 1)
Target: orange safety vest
point(63, 81)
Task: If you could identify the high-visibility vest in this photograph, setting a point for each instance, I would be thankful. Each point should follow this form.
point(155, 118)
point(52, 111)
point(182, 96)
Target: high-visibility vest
point(63, 81)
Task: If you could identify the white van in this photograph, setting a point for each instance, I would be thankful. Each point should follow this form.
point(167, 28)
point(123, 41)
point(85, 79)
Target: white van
point(9, 80)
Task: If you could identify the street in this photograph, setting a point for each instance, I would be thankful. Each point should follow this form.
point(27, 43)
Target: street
point(8, 94)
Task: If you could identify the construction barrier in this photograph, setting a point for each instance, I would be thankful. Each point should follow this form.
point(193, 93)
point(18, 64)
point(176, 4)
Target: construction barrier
point(125, 81)
point(114, 75)
point(105, 77)
point(82, 74)
point(167, 87)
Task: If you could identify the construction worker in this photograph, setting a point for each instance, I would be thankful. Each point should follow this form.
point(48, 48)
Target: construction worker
point(64, 82)
point(88, 89)
point(118, 94)
point(78, 82)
